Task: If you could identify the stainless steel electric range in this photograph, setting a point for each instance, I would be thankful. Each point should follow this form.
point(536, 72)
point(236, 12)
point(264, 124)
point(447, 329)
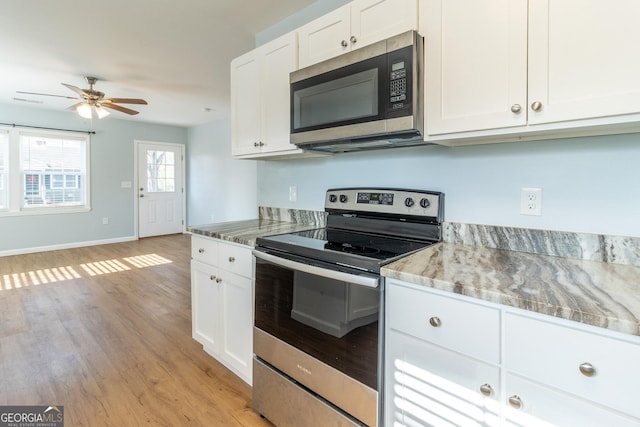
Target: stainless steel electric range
point(319, 312)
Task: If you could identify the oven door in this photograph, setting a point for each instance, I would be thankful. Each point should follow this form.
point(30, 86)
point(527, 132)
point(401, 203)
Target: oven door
point(321, 325)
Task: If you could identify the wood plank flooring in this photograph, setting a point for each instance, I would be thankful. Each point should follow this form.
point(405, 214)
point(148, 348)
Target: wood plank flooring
point(106, 332)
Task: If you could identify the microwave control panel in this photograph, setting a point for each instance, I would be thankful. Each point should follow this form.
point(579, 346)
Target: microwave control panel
point(400, 73)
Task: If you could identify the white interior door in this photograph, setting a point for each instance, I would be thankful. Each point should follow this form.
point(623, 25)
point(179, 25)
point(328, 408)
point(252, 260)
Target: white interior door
point(160, 189)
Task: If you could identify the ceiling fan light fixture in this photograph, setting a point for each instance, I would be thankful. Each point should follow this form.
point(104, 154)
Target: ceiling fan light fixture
point(84, 110)
point(101, 112)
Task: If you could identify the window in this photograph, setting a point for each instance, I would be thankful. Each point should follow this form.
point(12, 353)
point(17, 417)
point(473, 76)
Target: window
point(161, 167)
point(49, 172)
point(4, 168)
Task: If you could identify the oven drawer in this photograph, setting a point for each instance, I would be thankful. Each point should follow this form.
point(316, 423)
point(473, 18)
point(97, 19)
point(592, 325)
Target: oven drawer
point(449, 322)
point(204, 250)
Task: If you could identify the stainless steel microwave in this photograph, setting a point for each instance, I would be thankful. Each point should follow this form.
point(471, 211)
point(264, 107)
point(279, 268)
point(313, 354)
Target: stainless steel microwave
point(365, 99)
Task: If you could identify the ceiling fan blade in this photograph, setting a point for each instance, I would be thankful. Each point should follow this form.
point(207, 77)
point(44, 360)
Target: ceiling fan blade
point(125, 100)
point(119, 108)
point(45, 94)
point(76, 90)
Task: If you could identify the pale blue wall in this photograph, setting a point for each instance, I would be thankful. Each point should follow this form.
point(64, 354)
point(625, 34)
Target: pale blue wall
point(590, 184)
point(112, 161)
point(220, 188)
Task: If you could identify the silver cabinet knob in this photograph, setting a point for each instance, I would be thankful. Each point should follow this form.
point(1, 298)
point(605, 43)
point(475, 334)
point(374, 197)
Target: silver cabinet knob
point(201, 250)
point(261, 144)
point(218, 280)
point(486, 390)
point(255, 144)
point(536, 106)
point(353, 39)
point(516, 108)
point(344, 43)
point(435, 322)
point(587, 369)
point(142, 195)
point(515, 402)
point(212, 277)
point(232, 259)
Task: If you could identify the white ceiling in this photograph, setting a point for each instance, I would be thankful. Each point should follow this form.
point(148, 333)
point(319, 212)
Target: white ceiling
point(173, 53)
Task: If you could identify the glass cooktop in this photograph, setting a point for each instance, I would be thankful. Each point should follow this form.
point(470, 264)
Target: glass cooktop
point(359, 250)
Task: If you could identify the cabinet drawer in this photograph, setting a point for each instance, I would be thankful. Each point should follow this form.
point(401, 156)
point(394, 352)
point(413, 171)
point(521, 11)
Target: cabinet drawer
point(551, 353)
point(543, 406)
point(236, 259)
point(465, 327)
point(204, 250)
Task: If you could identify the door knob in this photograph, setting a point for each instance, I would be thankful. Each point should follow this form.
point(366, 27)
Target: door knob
point(344, 43)
point(516, 108)
point(587, 369)
point(515, 402)
point(142, 195)
point(536, 106)
point(353, 39)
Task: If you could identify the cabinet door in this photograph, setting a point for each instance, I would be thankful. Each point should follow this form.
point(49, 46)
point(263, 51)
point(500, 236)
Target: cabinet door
point(325, 37)
point(237, 323)
point(427, 385)
point(246, 109)
point(375, 20)
point(279, 58)
point(546, 407)
point(475, 64)
point(583, 60)
point(205, 306)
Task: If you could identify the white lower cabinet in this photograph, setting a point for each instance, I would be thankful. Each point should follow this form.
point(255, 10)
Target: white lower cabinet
point(222, 302)
point(545, 372)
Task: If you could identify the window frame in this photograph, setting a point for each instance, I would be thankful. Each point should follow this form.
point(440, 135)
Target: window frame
point(16, 176)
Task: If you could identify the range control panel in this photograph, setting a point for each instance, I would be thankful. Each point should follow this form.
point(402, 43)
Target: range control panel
point(386, 201)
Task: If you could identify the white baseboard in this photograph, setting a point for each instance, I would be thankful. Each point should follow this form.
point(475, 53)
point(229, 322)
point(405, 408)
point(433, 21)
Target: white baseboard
point(66, 246)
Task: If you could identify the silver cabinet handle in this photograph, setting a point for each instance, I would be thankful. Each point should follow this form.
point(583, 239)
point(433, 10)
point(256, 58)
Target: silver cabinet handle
point(232, 259)
point(486, 390)
point(353, 39)
point(201, 250)
point(218, 280)
point(516, 108)
point(587, 369)
point(344, 43)
point(435, 322)
point(515, 402)
point(536, 106)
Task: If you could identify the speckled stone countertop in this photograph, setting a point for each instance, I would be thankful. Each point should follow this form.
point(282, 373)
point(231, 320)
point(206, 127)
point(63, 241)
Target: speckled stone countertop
point(245, 232)
point(596, 293)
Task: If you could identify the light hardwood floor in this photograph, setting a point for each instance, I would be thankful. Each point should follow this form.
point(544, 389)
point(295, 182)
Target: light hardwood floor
point(106, 332)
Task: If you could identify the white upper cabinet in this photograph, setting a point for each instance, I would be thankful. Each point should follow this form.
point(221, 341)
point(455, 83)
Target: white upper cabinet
point(260, 99)
point(583, 60)
point(497, 67)
point(355, 25)
point(476, 64)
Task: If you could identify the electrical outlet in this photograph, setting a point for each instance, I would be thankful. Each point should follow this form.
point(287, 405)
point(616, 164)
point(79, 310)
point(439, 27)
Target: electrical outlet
point(293, 193)
point(105, 220)
point(531, 201)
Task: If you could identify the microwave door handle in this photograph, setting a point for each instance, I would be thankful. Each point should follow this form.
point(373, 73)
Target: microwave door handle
point(355, 279)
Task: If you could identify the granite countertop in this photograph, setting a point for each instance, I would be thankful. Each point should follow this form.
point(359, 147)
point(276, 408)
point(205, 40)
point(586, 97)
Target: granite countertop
point(245, 232)
point(596, 293)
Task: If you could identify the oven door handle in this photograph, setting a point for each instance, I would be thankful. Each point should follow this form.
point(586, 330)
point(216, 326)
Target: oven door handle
point(370, 282)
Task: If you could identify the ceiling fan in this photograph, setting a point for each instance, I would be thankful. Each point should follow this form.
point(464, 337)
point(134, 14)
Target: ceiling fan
point(93, 100)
